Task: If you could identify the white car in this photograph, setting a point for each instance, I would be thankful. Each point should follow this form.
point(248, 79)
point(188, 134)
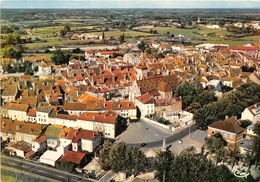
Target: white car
point(180, 141)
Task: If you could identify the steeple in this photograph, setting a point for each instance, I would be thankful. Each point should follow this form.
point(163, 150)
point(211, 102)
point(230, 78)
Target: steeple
point(141, 64)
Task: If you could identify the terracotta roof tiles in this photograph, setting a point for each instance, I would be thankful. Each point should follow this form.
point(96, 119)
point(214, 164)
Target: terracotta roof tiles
point(73, 157)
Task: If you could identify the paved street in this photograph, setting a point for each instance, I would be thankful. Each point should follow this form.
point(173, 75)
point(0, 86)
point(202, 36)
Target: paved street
point(143, 132)
point(152, 135)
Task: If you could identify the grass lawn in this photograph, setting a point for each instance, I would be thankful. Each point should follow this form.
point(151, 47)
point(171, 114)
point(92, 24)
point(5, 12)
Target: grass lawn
point(5, 178)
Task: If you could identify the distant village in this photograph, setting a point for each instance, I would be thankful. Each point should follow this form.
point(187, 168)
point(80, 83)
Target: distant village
point(65, 110)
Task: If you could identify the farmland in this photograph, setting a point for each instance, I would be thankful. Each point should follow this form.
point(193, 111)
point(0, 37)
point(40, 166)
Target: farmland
point(45, 28)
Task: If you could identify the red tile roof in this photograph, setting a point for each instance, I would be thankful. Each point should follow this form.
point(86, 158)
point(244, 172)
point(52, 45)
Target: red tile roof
point(85, 134)
point(75, 106)
point(154, 84)
point(146, 98)
point(69, 133)
point(123, 105)
point(31, 112)
point(73, 157)
point(40, 139)
point(79, 77)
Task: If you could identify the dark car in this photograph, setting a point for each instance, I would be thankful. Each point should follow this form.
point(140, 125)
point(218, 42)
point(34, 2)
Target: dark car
point(143, 144)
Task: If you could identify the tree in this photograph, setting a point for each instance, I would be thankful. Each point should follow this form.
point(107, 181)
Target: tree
point(121, 158)
point(104, 155)
point(16, 38)
point(155, 32)
point(191, 166)
point(66, 29)
point(215, 144)
point(245, 123)
point(60, 57)
point(142, 46)
point(76, 50)
point(122, 38)
point(62, 33)
point(9, 39)
point(233, 155)
point(256, 144)
point(232, 104)
point(257, 128)
point(8, 68)
point(162, 165)
point(35, 69)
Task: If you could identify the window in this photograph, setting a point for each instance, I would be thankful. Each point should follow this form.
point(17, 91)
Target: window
point(231, 136)
point(225, 135)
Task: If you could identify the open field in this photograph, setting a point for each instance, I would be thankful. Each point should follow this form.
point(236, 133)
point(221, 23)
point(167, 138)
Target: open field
point(50, 34)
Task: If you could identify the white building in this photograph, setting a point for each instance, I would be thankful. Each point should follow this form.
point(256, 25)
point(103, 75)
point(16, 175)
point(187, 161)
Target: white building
point(50, 157)
point(42, 114)
point(39, 144)
point(132, 58)
point(123, 108)
point(145, 104)
point(44, 69)
point(18, 112)
point(252, 113)
point(86, 140)
point(105, 123)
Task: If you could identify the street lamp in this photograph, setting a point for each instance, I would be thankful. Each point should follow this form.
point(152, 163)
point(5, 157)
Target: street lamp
point(189, 130)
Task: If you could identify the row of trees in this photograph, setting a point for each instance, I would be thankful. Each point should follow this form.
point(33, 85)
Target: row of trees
point(187, 166)
point(231, 104)
point(194, 96)
point(63, 57)
point(20, 67)
point(191, 166)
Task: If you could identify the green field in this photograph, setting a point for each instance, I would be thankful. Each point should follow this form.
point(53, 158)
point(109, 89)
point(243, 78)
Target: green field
point(198, 35)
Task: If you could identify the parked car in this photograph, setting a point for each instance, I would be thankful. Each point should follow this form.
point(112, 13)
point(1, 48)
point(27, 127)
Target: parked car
point(143, 144)
point(180, 141)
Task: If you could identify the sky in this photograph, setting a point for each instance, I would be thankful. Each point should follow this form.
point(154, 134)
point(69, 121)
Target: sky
point(91, 4)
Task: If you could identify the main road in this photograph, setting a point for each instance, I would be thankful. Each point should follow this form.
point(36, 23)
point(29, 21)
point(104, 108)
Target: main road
point(38, 170)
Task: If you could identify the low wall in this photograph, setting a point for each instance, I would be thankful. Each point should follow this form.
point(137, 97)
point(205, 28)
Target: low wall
point(167, 127)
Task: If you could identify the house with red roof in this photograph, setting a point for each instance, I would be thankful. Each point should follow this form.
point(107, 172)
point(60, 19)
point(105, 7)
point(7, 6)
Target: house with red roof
point(123, 108)
point(77, 159)
point(109, 53)
point(145, 104)
point(67, 135)
point(9, 128)
point(104, 122)
point(20, 148)
point(86, 140)
point(40, 144)
point(28, 132)
point(229, 129)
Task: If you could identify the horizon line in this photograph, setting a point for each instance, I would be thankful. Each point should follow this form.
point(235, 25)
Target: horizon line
point(121, 8)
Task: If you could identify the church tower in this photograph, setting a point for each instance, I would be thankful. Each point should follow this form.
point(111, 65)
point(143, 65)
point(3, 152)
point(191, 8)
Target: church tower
point(141, 68)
